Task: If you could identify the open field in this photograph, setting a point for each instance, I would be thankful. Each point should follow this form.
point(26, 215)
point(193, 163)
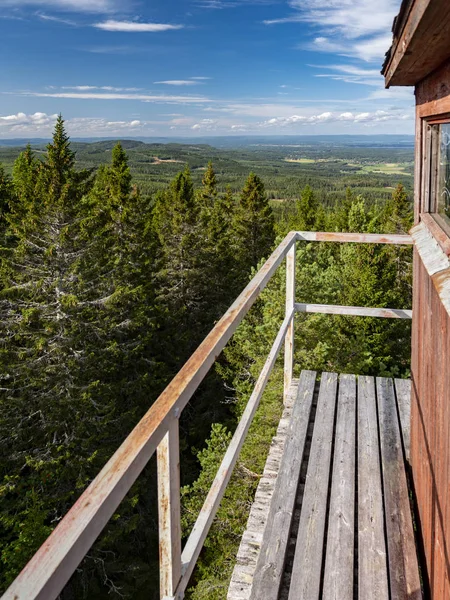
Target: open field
point(387, 168)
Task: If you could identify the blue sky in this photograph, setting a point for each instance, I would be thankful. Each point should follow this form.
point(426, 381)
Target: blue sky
point(198, 67)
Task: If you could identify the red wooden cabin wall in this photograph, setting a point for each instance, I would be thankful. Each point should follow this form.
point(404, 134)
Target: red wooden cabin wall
point(430, 410)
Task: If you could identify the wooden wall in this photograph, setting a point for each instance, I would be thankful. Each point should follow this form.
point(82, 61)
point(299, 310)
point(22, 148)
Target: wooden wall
point(430, 411)
point(430, 428)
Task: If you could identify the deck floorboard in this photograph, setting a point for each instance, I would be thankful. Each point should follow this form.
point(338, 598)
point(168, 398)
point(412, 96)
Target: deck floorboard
point(269, 569)
point(353, 537)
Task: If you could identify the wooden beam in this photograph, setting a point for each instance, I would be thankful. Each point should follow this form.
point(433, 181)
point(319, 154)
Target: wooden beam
point(353, 238)
point(168, 455)
point(355, 311)
point(422, 44)
point(290, 302)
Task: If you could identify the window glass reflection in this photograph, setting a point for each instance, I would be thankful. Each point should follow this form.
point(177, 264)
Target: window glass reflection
point(443, 179)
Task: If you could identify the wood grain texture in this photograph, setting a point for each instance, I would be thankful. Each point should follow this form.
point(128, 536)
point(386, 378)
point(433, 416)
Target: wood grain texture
point(290, 301)
point(306, 574)
point(403, 566)
point(241, 581)
point(339, 561)
point(403, 394)
point(413, 57)
point(372, 567)
point(430, 427)
point(269, 569)
point(168, 455)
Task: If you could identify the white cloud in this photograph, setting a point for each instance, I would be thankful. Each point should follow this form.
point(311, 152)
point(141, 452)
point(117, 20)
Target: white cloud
point(378, 116)
point(19, 122)
point(88, 6)
point(221, 4)
point(368, 50)
point(349, 18)
point(200, 78)
point(43, 124)
point(178, 82)
point(205, 124)
point(354, 28)
point(135, 26)
point(351, 74)
point(45, 17)
point(117, 96)
point(108, 88)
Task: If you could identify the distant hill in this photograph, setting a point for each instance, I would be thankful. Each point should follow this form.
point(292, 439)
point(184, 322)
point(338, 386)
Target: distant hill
point(336, 141)
point(370, 165)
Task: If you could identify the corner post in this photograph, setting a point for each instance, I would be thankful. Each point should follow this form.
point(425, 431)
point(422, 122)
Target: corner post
point(290, 301)
point(168, 457)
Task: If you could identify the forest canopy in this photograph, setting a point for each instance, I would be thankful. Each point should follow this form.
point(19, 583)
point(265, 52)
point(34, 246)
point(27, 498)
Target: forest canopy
point(105, 291)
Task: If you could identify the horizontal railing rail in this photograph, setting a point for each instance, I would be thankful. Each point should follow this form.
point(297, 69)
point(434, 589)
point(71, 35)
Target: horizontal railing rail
point(51, 567)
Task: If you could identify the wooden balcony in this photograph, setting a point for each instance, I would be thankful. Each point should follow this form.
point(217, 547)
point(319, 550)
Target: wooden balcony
point(355, 524)
point(331, 518)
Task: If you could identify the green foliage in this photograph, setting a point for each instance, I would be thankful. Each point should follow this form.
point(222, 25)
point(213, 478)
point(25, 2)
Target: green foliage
point(307, 207)
point(253, 223)
point(106, 291)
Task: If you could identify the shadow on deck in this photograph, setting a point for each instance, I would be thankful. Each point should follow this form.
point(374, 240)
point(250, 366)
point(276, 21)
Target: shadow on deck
point(331, 518)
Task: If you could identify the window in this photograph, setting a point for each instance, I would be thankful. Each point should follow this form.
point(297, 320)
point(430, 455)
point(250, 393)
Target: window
point(439, 182)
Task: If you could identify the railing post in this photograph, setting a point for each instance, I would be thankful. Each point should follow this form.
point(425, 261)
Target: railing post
point(168, 455)
point(290, 302)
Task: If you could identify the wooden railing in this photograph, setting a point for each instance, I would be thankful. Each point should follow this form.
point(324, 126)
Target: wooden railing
point(51, 567)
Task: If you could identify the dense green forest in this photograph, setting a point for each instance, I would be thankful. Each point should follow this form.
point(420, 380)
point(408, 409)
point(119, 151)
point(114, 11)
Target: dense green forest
point(110, 278)
point(286, 167)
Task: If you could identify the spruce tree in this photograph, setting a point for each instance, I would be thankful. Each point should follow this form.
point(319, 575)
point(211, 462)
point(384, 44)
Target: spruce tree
point(208, 192)
point(253, 225)
point(307, 207)
point(398, 213)
point(342, 210)
point(181, 285)
point(45, 427)
point(6, 197)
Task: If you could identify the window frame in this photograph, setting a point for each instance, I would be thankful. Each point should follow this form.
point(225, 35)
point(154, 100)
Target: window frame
point(430, 171)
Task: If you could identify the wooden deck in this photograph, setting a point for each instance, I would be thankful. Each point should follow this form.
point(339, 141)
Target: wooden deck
point(331, 518)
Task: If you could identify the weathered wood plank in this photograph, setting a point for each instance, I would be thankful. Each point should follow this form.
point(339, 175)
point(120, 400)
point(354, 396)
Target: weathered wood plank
point(403, 393)
point(339, 561)
point(357, 238)
point(290, 301)
point(269, 569)
point(168, 455)
point(250, 546)
point(354, 311)
point(403, 566)
point(372, 560)
point(305, 581)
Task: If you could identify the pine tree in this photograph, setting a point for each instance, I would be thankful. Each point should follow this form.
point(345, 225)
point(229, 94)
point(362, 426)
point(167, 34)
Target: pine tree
point(253, 225)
